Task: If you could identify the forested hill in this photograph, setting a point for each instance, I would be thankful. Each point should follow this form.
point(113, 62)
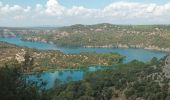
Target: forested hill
point(40, 60)
point(99, 35)
point(132, 81)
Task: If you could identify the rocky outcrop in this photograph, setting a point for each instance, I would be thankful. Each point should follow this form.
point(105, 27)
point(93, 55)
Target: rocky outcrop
point(166, 67)
point(130, 46)
point(35, 39)
point(20, 56)
point(157, 48)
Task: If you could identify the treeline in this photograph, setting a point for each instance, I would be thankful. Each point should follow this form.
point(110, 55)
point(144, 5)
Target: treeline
point(139, 36)
point(15, 86)
point(131, 81)
point(106, 34)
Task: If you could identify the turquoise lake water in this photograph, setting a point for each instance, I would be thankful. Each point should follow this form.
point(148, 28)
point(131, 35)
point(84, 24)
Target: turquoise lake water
point(78, 74)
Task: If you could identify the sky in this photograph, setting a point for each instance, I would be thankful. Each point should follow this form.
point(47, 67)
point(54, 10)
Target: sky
point(21, 13)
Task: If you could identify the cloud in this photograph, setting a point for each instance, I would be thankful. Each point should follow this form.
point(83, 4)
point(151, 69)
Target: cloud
point(81, 11)
point(130, 9)
point(13, 12)
point(116, 12)
point(116, 9)
point(7, 9)
point(19, 17)
point(53, 8)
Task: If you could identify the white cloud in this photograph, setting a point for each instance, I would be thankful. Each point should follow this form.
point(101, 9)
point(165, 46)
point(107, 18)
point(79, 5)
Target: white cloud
point(27, 9)
point(80, 11)
point(116, 11)
point(54, 8)
point(19, 17)
point(14, 9)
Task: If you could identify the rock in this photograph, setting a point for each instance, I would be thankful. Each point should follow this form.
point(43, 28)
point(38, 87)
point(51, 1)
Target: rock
point(20, 56)
point(166, 68)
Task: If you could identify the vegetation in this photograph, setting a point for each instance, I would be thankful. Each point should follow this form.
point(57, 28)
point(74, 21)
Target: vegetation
point(14, 86)
point(40, 60)
point(100, 35)
point(132, 81)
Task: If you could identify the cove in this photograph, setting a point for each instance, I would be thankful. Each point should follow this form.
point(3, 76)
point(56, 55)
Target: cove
point(64, 75)
point(78, 74)
point(130, 53)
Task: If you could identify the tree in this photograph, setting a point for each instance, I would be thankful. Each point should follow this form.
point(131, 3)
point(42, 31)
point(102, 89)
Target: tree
point(14, 86)
point(154, 60)
point(29, 61)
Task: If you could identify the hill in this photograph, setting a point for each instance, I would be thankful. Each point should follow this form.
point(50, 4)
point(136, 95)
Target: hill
point(100, 35)
point(40, 60)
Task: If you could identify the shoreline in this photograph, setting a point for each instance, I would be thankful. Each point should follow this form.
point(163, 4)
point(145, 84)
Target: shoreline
point(154, 48)
point(69, 69)
point(125, 46)
point(151, 47)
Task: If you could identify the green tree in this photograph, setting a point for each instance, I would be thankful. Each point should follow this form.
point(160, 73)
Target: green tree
point(14, 86)
point(29, 61)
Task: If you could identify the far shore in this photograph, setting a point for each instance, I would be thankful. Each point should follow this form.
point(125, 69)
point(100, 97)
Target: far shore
point(150, 47)
point(156, 48)
point(128, 47)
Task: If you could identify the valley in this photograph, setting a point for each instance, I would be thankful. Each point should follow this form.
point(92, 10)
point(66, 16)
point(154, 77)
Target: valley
point(84, 62)
point(154, 37)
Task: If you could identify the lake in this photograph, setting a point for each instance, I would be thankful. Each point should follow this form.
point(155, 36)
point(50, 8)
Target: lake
point(78, 74)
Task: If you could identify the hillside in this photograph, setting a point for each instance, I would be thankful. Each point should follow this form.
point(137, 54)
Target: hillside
point(40, 60)
point(133, 81)
point(100, 35)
